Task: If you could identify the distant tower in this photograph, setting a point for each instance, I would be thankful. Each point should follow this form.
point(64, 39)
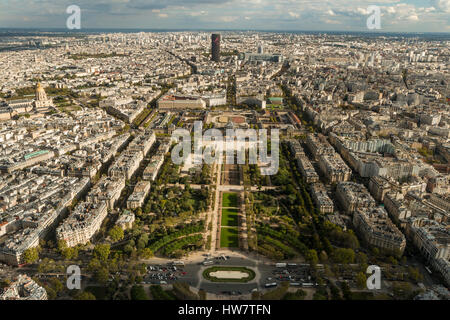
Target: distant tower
point(215, 47)
point(261, 49)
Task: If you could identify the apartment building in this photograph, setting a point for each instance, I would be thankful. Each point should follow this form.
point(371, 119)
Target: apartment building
point(376, 229)
point(137, 198)
point(107, 190)
point(307, 170)
point(151, 171)
point(126, 220)
point(353, 196)
point(318, 145)
point(23, 288)
point(81, 225)
point(321, 198)
point(334, 168)
point(178, 102)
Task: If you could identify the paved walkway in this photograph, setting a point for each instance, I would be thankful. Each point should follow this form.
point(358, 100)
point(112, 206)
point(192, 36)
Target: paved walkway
point(215, 213)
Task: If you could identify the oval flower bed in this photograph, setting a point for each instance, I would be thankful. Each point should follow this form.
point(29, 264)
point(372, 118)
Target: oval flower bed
point(229, 274)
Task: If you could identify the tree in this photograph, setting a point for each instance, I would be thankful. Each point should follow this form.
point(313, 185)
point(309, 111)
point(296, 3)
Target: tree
point(31, 255)
point(94, 264)
point(343, 255)
point(116, 233)
point(128, 249)
point(138, 293)
point(361, 258)
point(415, 274)
point(346, 291)
point(51, 294)
point(62, 245)
point(146, 253)
point(102, 251)
point(335, 293)
point(70, 253)
point(311, 257)
point(57, 285)
point(5, 283)
point(361, 280)
point(323, 256)
point(319, 296)
point(85, 296)
point(142, 242)
point(298, 295)
point(375, 251)
point(351, 240)
point(392, 260)
point(102, 275)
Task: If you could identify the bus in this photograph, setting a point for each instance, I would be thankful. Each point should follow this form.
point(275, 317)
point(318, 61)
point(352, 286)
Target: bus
point(307, 285)
point(208, 263)
point(271, 285)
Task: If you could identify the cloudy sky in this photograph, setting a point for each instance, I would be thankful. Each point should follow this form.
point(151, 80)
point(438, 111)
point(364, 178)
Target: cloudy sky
point(339, 15)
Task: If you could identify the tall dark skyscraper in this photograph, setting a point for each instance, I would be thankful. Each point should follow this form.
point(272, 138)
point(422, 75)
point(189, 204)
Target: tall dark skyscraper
point(215, 47)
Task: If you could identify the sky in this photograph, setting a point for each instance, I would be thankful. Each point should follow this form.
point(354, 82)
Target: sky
point(288, 15)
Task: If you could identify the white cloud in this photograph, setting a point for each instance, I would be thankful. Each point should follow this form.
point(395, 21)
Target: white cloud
point(423, 15)
point(228, 18)
point(443, 5)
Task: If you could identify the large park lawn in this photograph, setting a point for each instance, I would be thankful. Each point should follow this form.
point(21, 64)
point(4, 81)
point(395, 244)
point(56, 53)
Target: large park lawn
point(229, 218)
point(229, 238)
point(229, 200)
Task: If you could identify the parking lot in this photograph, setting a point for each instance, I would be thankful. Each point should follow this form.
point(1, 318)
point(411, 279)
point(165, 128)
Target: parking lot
point(164, 274)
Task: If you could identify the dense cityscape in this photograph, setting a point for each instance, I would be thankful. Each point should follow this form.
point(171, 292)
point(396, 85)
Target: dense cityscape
point(87, 132)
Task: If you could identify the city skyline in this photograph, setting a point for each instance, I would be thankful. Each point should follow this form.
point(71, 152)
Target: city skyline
point(298, 15)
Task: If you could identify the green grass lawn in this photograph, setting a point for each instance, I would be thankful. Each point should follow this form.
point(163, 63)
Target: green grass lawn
point(229, 218)
point(229, 200)
point(229, 238)
point(207, 274)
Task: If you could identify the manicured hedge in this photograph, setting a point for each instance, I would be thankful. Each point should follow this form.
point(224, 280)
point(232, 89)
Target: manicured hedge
point(171, 237)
